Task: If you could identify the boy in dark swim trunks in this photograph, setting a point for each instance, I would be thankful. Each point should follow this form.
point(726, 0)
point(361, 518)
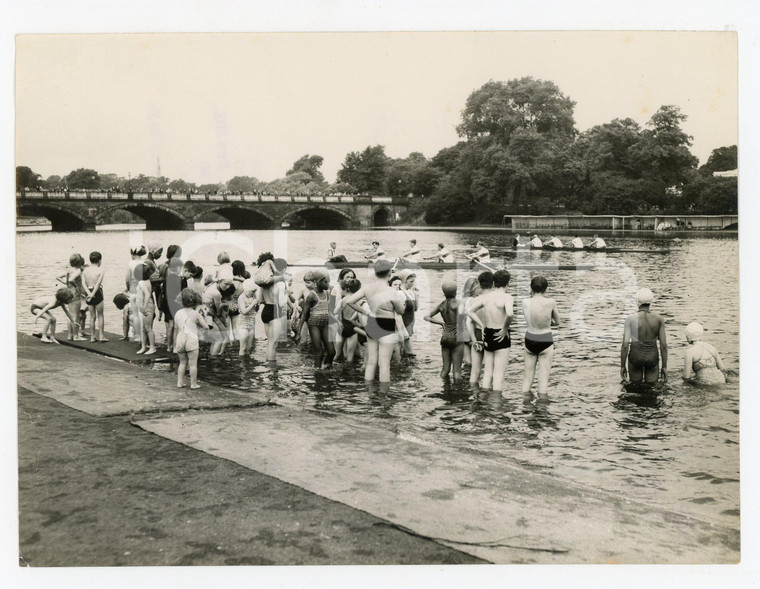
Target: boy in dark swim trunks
point(452, 338)
point(641, 333)
point(497, 306)
point(92, 277)
point(540, 314)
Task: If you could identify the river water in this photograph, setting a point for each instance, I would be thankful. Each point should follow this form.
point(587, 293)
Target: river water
point(677, 449)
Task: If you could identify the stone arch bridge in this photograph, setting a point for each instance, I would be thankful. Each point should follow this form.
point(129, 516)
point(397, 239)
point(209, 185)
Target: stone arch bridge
point(83, 211)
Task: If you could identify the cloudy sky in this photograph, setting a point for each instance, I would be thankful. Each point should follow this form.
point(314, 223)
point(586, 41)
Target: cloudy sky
point(214, 106)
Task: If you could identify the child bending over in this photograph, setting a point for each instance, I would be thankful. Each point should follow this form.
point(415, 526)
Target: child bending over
point(41, 307)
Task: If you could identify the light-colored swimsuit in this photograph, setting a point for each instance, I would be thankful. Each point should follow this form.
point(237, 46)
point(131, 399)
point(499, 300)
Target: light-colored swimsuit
point(706, 369)
point(185, 323)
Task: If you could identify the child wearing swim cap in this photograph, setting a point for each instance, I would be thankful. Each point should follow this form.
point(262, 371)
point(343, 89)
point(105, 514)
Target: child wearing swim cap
point(452, 338)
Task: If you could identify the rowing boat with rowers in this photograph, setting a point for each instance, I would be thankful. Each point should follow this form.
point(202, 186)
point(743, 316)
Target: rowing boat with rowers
point(464, 266)
point(604, 250)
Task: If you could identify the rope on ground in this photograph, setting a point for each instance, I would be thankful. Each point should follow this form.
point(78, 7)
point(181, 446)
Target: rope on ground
point(485, 543)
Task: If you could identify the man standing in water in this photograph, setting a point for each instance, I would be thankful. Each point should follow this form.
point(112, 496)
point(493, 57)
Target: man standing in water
point(640, 335)
point(497, 306)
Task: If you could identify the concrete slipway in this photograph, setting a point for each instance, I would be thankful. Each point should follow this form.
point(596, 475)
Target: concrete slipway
point(491, 509)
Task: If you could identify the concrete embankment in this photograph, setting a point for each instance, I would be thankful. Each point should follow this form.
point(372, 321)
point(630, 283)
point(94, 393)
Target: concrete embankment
point(488, 509)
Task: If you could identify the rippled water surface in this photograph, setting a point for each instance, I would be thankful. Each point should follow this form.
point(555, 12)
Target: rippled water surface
point(678, 448)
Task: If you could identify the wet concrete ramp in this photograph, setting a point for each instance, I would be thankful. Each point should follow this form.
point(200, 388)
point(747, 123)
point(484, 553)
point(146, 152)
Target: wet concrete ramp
point(491, 509)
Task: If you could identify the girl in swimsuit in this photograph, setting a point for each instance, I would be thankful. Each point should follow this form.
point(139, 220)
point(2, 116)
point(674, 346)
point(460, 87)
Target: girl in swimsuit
point(411, 304)
point(246, 323)
point(186, 342)
point(641, 333)
point(381, 327)
point(402, 333)
point(72, 279)
point(540, 314)
point(453, 323)
point(702, 361)
point(336, 311)
point(315, 315)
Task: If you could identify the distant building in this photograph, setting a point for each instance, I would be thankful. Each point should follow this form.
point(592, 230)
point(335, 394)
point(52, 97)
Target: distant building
point(728, 173)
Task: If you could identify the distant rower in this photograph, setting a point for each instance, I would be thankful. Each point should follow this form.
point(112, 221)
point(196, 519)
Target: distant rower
point(577, 242)
point(378, 254)
point(598, 243)
point(482, 255)
point(443, 255)
point(554, 242)
point(516, 241)
point(536, 242)
point(413, 255)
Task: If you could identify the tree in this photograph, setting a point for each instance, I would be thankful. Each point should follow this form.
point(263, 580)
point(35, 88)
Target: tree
point(181, 186)
point(52, 182)
point(26, 178)
point(497, 110)
point(310, 165)
point(83, 178)
point(244, 184)
point(366, 170)
point(720, 160)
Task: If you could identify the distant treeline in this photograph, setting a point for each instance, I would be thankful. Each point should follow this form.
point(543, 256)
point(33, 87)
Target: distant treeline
point(519, 153)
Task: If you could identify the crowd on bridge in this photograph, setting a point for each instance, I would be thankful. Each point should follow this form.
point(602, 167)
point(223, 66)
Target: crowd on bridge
point(222, 306)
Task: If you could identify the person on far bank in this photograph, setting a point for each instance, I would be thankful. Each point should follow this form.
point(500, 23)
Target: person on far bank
point(482, 255)
point(443, 255)
point(93, 284)
point(378, 254)
point(597, 243)
point(577, 243)
point(413, 255)
point(536, 243)
point(516, 241)
point(540, 314)
point(641, 333)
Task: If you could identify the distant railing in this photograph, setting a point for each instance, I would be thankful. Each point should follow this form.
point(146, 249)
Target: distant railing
point(192, 196)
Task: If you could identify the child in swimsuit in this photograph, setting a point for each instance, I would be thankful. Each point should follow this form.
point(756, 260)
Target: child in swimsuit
point(540, 314)
point(145, 303)
point(246, 323)
point(452, 338)
point(315, 315)
point(186, 343)
point(702, 361)
point(93, 283)
point(41, 306)
point(72, 279)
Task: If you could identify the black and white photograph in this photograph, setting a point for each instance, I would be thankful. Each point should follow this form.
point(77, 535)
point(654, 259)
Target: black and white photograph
point(377, 297)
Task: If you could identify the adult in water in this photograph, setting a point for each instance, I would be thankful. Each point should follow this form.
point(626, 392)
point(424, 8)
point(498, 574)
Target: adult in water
point(274, 310)
point(702, 361)
point(540, 314)
point(641, 333)
point(384, 303)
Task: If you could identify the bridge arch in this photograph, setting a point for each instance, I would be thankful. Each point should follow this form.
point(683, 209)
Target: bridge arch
point(156, 216)
point(61, 218)
point(241, 216)
point(314, 216)
point(382, 217)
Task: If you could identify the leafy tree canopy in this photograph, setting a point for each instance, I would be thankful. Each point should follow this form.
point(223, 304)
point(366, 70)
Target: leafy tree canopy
point(309, 164)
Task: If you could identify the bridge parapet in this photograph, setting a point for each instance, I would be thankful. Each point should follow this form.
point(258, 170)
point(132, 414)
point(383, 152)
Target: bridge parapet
point(246, 197)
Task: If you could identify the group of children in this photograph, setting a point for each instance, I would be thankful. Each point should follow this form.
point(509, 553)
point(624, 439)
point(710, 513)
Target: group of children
point(222, 306)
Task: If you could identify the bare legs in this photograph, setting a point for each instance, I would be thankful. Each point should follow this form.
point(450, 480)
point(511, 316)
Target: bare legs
point(188, 358)
point(494, 366)
point(543, 362)
point(452, 358)
point(148, 338)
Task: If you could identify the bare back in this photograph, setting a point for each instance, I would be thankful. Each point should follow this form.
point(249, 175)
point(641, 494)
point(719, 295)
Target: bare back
point(497, 305)
point(644, 326)
point(538, 311)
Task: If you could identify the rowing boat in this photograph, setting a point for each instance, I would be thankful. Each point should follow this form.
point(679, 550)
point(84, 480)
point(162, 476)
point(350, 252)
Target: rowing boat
point(460, 266)
point(606, 250)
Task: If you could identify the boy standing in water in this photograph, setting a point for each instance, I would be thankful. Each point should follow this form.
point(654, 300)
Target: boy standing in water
point(43, 305)
point(93, 284)
point(498, 308)
point(452, 339)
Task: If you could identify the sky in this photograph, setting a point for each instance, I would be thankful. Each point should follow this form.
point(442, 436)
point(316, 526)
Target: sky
point(208, 107)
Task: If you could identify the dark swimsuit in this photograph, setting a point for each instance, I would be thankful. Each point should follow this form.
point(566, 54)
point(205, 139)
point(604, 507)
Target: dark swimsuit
point(97, 297)
point(408, 316)
point(378, 327)
point(643, 354)
point(270, 312)
point(536, 343)
point(348, 329)
point(489, 340)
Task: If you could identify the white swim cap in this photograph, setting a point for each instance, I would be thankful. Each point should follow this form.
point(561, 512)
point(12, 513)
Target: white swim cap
point(693, 331)
point(644, 296)
point(249, 284)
